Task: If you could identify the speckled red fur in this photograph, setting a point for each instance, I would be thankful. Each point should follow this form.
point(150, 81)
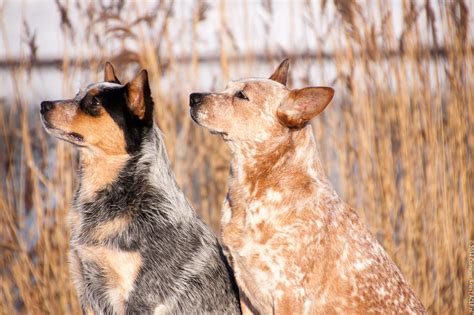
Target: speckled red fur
point(295, 246)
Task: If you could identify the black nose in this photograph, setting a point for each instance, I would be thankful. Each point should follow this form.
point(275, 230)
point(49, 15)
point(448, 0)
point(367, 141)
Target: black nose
point(46, 106)
point(196, 98)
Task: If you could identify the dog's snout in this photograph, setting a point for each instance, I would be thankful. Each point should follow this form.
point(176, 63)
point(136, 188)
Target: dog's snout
point(196, 98)
point(46, 106)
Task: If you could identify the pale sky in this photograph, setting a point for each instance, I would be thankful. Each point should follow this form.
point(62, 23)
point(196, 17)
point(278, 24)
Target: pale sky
point(43, 18)
point(290, 27)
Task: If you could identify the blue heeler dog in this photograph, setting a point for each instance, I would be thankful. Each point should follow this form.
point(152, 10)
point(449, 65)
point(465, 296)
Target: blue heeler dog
point(137, 246)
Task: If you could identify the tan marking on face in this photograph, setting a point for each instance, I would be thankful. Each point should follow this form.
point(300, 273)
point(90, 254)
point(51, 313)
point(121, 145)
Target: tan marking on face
point(105, 153)
point(121, 270)
point(111, 228)
point(99, 132)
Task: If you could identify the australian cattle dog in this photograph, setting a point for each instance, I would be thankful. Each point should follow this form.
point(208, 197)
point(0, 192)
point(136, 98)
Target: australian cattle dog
point(137, 246)
point(295, 246)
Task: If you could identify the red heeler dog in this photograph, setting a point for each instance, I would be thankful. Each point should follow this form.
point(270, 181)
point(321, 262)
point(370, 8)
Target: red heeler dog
point(295, 246)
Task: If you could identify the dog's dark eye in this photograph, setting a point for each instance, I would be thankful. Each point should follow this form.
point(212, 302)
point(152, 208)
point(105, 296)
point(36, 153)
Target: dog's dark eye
point(91, 105)
point(95, 102)
point(241, 95)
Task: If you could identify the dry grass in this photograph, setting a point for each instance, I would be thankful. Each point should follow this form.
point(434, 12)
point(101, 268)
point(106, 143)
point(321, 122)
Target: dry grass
point(397, 142)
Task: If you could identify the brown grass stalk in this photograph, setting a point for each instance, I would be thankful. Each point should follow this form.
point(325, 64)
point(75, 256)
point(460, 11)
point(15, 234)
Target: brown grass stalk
point(397, 142)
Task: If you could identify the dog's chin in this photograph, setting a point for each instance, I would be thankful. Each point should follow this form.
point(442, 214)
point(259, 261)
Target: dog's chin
point(195, 117)
point(71, 137)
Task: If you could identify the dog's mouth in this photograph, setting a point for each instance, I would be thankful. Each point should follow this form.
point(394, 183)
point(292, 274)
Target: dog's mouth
point(71, 137)
point(224, 135)
point(192, 112)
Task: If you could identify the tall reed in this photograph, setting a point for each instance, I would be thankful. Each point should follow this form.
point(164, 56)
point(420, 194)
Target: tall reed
point(397, 142)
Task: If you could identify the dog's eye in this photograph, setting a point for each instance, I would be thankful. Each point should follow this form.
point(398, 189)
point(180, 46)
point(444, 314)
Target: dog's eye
point(95, 102)
point(241, 95)
point(91, 105)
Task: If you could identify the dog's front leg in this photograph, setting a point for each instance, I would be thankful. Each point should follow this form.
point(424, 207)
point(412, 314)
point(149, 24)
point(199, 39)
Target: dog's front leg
point(253, 299)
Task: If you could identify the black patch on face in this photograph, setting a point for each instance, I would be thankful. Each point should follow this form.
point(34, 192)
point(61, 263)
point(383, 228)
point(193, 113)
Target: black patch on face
point(114, 102)
point(90, 105)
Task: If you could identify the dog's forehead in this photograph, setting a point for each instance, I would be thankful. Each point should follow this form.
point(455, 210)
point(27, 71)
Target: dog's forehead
point(96, 88)
point(257, 82)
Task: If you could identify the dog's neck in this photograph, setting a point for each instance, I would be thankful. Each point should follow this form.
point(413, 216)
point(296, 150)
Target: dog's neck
point(149, 169)
point(283, 165)
point(97, 171)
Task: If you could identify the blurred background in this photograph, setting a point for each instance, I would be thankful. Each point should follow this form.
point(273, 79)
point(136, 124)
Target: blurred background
point(397, 142)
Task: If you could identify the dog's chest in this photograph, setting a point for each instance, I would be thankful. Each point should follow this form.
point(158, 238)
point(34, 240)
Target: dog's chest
point(104, 274)
point(247, 218)
point(279, 251)
point(262, 253)
point(269, 272)
point(110, 274)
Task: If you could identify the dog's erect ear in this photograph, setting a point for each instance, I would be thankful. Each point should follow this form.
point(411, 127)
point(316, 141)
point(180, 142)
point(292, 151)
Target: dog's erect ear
point(140, 102)
point(303, 104)
point(109, 73)
point(281, 73)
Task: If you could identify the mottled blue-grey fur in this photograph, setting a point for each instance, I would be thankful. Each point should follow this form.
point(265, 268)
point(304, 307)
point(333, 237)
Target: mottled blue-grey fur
point(183, 268)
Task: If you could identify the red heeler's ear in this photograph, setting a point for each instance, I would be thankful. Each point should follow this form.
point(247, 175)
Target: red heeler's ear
point(140, 102)
point(109, 73)
point(302, 105)
point(281, 73)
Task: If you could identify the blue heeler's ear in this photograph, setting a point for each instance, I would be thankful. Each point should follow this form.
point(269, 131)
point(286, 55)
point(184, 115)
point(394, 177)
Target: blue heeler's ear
point(281, 73)
point(139, 100)
point(109, 73)
point(303, 104)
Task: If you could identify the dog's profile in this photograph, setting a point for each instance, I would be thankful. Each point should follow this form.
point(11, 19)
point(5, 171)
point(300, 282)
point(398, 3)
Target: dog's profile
point(295, 246)
point(137, 246)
